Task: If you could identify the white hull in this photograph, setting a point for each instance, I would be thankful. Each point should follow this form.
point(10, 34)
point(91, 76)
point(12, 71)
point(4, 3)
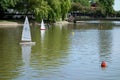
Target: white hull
point(27, 43)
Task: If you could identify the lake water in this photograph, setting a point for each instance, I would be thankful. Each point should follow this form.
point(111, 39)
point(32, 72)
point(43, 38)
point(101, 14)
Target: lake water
point(62, 52)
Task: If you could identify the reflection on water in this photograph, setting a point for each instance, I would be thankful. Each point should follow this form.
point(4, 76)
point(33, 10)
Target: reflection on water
point(26, 55)
point(26, 52)
point(9, 53)
point(42, 34)
point(62, 52)
point(105, 44)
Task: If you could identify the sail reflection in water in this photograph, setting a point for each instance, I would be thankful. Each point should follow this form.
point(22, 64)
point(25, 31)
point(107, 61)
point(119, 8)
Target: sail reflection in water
point(42, 35)
point(26, 54)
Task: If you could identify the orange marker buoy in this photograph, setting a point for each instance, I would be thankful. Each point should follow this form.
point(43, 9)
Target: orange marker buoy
point(103, 64)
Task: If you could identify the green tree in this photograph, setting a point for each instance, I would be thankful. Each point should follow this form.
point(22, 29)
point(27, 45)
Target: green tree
point(55, 10)
point(107, 5)
point(84, 3)
point(65, 7)
point(58, 9)
point(80, 5)
point(76, 6)
point(41, 9)
point(4, 4)
point(47, 9)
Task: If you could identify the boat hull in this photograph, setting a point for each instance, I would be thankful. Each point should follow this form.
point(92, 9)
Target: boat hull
point(27, 43)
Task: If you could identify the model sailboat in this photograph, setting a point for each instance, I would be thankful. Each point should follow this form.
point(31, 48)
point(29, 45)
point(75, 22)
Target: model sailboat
point(26, 34)
point(42, 25)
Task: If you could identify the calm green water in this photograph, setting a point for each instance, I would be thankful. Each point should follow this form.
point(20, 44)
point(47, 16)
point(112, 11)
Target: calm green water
point(62, 52)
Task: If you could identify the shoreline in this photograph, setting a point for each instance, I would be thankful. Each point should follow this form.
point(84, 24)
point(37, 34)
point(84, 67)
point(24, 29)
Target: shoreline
point(5, 23)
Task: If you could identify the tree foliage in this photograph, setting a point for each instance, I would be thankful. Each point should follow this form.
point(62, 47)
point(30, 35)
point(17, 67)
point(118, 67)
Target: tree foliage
point(107, 5)
point(102, 7)
point(84, 3)
point(57, 9)
point(80, 5)
point(48, 9)
point(65, 7)
point(8, 3)
point(41, 9)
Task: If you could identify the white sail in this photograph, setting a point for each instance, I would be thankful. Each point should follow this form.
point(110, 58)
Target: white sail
point(26, 35)
point(42, 25)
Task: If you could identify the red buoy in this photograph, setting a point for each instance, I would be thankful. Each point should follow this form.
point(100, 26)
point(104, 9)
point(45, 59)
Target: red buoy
point(103, 64)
